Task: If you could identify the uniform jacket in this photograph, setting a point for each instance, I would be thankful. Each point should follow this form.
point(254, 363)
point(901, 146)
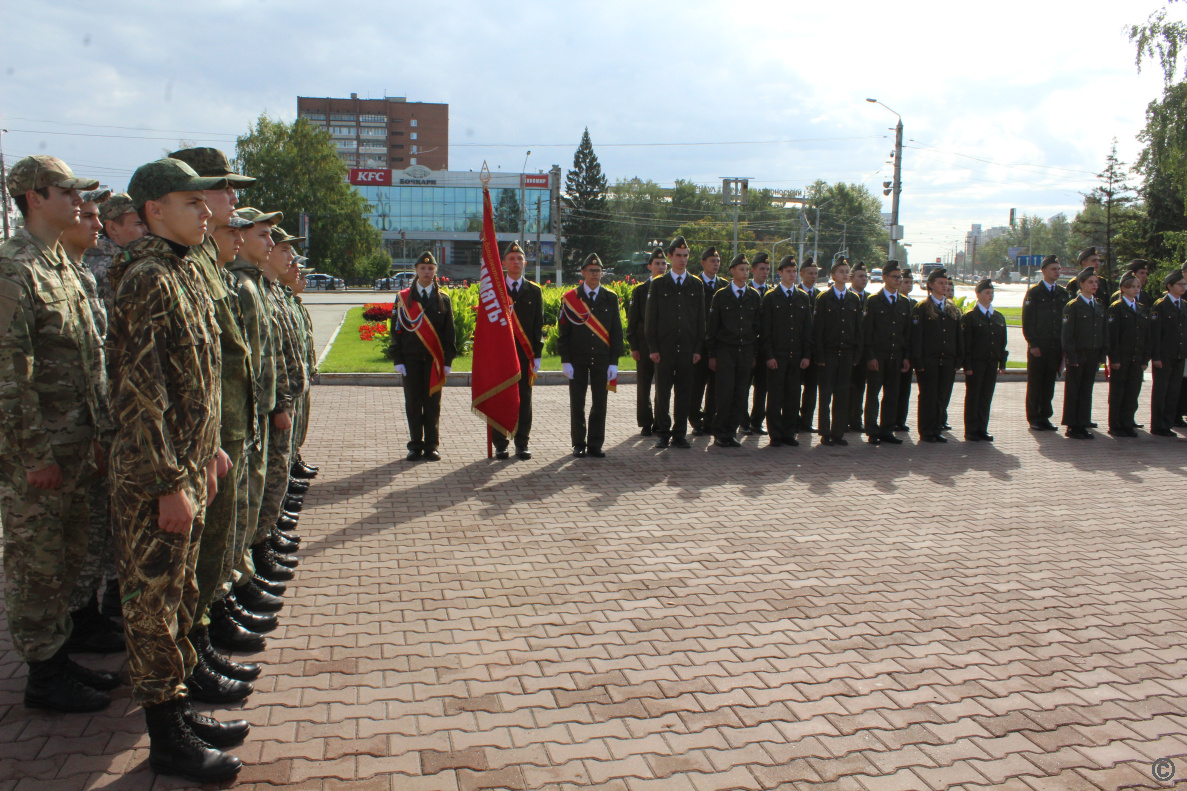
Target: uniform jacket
point(785, 331)
point(99, 378)
point(405, 345)
point(836, 325)
point(238, 421)
point(1083, 330)
point(48, 351)
point(984, 338)
point(307, 320)
point(935, 334)
point(718, 283)
point(636, 318)
point(1145, 298)
point(733, 320)
point(1168, 330)
point(292, 380)
point(529, 307)
point(578, 344)
point(99, 259)
point(167, 393)
point(259, 331)
point(675, 317)
point(1042, 316)
point(886, 326)
point(1129, 333)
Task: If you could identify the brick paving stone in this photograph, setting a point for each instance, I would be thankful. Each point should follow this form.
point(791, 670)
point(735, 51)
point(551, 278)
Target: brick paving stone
point(666, 621)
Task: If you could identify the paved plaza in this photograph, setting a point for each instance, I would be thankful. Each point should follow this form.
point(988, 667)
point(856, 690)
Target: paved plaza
point(976, 616)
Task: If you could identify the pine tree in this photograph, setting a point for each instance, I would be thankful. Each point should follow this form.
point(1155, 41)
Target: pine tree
point(507, 213)
point(1113, 193)
point(587, 220)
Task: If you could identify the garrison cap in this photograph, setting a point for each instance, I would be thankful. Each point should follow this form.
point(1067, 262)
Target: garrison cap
point(212, 162)
point(1174, 277)
point(1051, 259)
point(95, 196)
point(281, 236)
point(238, 223)
point(657, 253)
point(115, 207)
point(984, 284)
point(859, 265)
point(839, 261)
point(788, 260)
point(677, 243)
point(512, 247)
point(591, 260)
point(936, 274)
point(709, 252)
point(907, 272)
point(157, 179)
point(254, 215)
point(739, 259)
point(1087, 252)
point(761, 258)
point(426, 258)
point(1137, 264)
point(890, 266)
point(39, 172)
point(809, 261)
point(1129, 278)
point(1085, 273)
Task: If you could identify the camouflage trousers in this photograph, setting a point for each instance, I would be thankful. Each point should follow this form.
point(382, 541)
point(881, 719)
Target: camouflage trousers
point(216, 550)
point(300, 424)
point(99, 563)
point(276, 481)
point(256, 467)
point(160, 592)
point(45, 542)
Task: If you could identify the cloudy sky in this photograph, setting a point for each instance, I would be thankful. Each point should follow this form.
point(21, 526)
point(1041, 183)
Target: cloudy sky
point(1005, 104)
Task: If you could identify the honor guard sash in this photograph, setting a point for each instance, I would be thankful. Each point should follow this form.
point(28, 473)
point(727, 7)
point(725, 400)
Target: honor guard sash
point(574, 310)
point(412, 318)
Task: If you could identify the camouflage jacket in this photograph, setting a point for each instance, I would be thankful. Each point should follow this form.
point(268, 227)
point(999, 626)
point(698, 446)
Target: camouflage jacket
point(166, 353)
point(292, 380)
point(99, 376)
point(98, 259)
point(47, 349)
point(258, 330)
point(307, 329)
point(238, 421)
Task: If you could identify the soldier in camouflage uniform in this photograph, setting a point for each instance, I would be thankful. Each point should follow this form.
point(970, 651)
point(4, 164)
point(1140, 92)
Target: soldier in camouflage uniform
point(300, 469)
point(165, 460)
point(49, 415)
point(94, 632)
point(121, 226)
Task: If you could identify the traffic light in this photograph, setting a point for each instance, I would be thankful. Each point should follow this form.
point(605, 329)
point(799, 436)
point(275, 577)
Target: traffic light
point(886, 185)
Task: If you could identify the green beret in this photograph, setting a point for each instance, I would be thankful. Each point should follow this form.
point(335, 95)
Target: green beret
point(788, 260)
point(1172, 278)
point(512, 247)
point(708, 253)
point(676, 244)
point(936, 274)
point(426, 258)
point(591, 260)
point(983, 285)
point(1085, 273)
point(761, 258)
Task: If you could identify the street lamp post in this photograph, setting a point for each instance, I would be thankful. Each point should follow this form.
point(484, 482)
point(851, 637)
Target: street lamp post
point(897, 186)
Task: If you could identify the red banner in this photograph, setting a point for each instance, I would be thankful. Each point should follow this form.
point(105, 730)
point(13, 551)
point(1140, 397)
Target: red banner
point(494, 395)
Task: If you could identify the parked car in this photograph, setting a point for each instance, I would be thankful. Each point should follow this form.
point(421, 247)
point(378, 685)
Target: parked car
point(875, 275)
point(319, 282)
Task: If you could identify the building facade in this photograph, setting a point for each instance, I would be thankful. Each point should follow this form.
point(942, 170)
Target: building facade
point(382, 133)
point(417, 209)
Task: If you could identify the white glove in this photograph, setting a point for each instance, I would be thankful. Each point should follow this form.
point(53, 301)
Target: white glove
point(612, 373)
point(536, 365)
point(401, 370)
point(448, 369)
point(568, 369)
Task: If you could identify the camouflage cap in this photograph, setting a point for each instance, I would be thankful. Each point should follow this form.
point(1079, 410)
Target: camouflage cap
point(238, 223)
point(301, 260)
point(38, 172)
point(212, 162)
point(157, 179)
point(252, 214)
point(281, 236)
point(115, 207)
point(95, 196)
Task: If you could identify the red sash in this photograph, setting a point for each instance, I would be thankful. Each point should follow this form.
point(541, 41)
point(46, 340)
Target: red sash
point(574, 310)
point(411, 317)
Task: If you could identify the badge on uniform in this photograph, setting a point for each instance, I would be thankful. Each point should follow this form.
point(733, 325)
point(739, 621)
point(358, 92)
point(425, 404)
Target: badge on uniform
point(1025, 302)
point(915, 320)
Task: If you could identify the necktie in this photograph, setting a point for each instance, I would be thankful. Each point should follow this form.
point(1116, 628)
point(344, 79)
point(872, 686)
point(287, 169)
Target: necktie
point(424, 295)
point(515, 289)
point(679, 280)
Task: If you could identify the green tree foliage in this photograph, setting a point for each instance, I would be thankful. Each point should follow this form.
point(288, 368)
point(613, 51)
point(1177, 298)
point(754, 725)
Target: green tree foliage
point(586, 219)
point(299, 170)
point(507, 212)
point(1163, 167)
point(850, 217)
point(1160, 40)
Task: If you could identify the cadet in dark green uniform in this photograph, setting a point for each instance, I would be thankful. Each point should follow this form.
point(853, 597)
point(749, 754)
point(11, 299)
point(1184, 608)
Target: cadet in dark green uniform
point(1139, 268)
point(1085, 344)
point(785, 349)
point(1129, 355)
point(1042, 322)
point(1168, 351)
point(704, 391)
point(414, 360)
point(637, 337)
point(808, 274)
point(732, 334)
point(935, 353)
point(903, 406)
point(1089, 258)
point(674, 327)
point(760, 269)
point(859, 279)
point(886, 327)
point(590, 343)
point(528, 303)
point(983, 332)
point(836, 343)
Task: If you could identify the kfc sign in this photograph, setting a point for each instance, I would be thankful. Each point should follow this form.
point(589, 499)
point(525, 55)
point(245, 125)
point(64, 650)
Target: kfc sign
point(375, 177)
point(535, 180)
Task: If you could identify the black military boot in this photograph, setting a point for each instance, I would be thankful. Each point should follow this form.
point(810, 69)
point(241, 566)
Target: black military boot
point(293, 503)
point(282, 544)
point(93, 632)
point(274, 587)
point(261, 624)
point(287, 535)
point(286, 522)
point(174, 749)
point(210, 730)
point(297, 486)
point(95, 679)
point(208, 686)
point(52, 686)
point(223, 665)
point(299, 470)
point(255, 598)
point(266, 564)
point(288, 561)
point(229, 634)
point(112, 607)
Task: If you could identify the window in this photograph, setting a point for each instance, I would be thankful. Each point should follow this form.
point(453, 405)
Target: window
point(373, 119)
point(373, 131)
point(414, 160)
point(398, 145)
point(413, 122)
point(414, 149)
point(413, 135)
point(342, 130)
point(398, 134)
point(314, 116)
point(341, 117)
point(348, 144)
